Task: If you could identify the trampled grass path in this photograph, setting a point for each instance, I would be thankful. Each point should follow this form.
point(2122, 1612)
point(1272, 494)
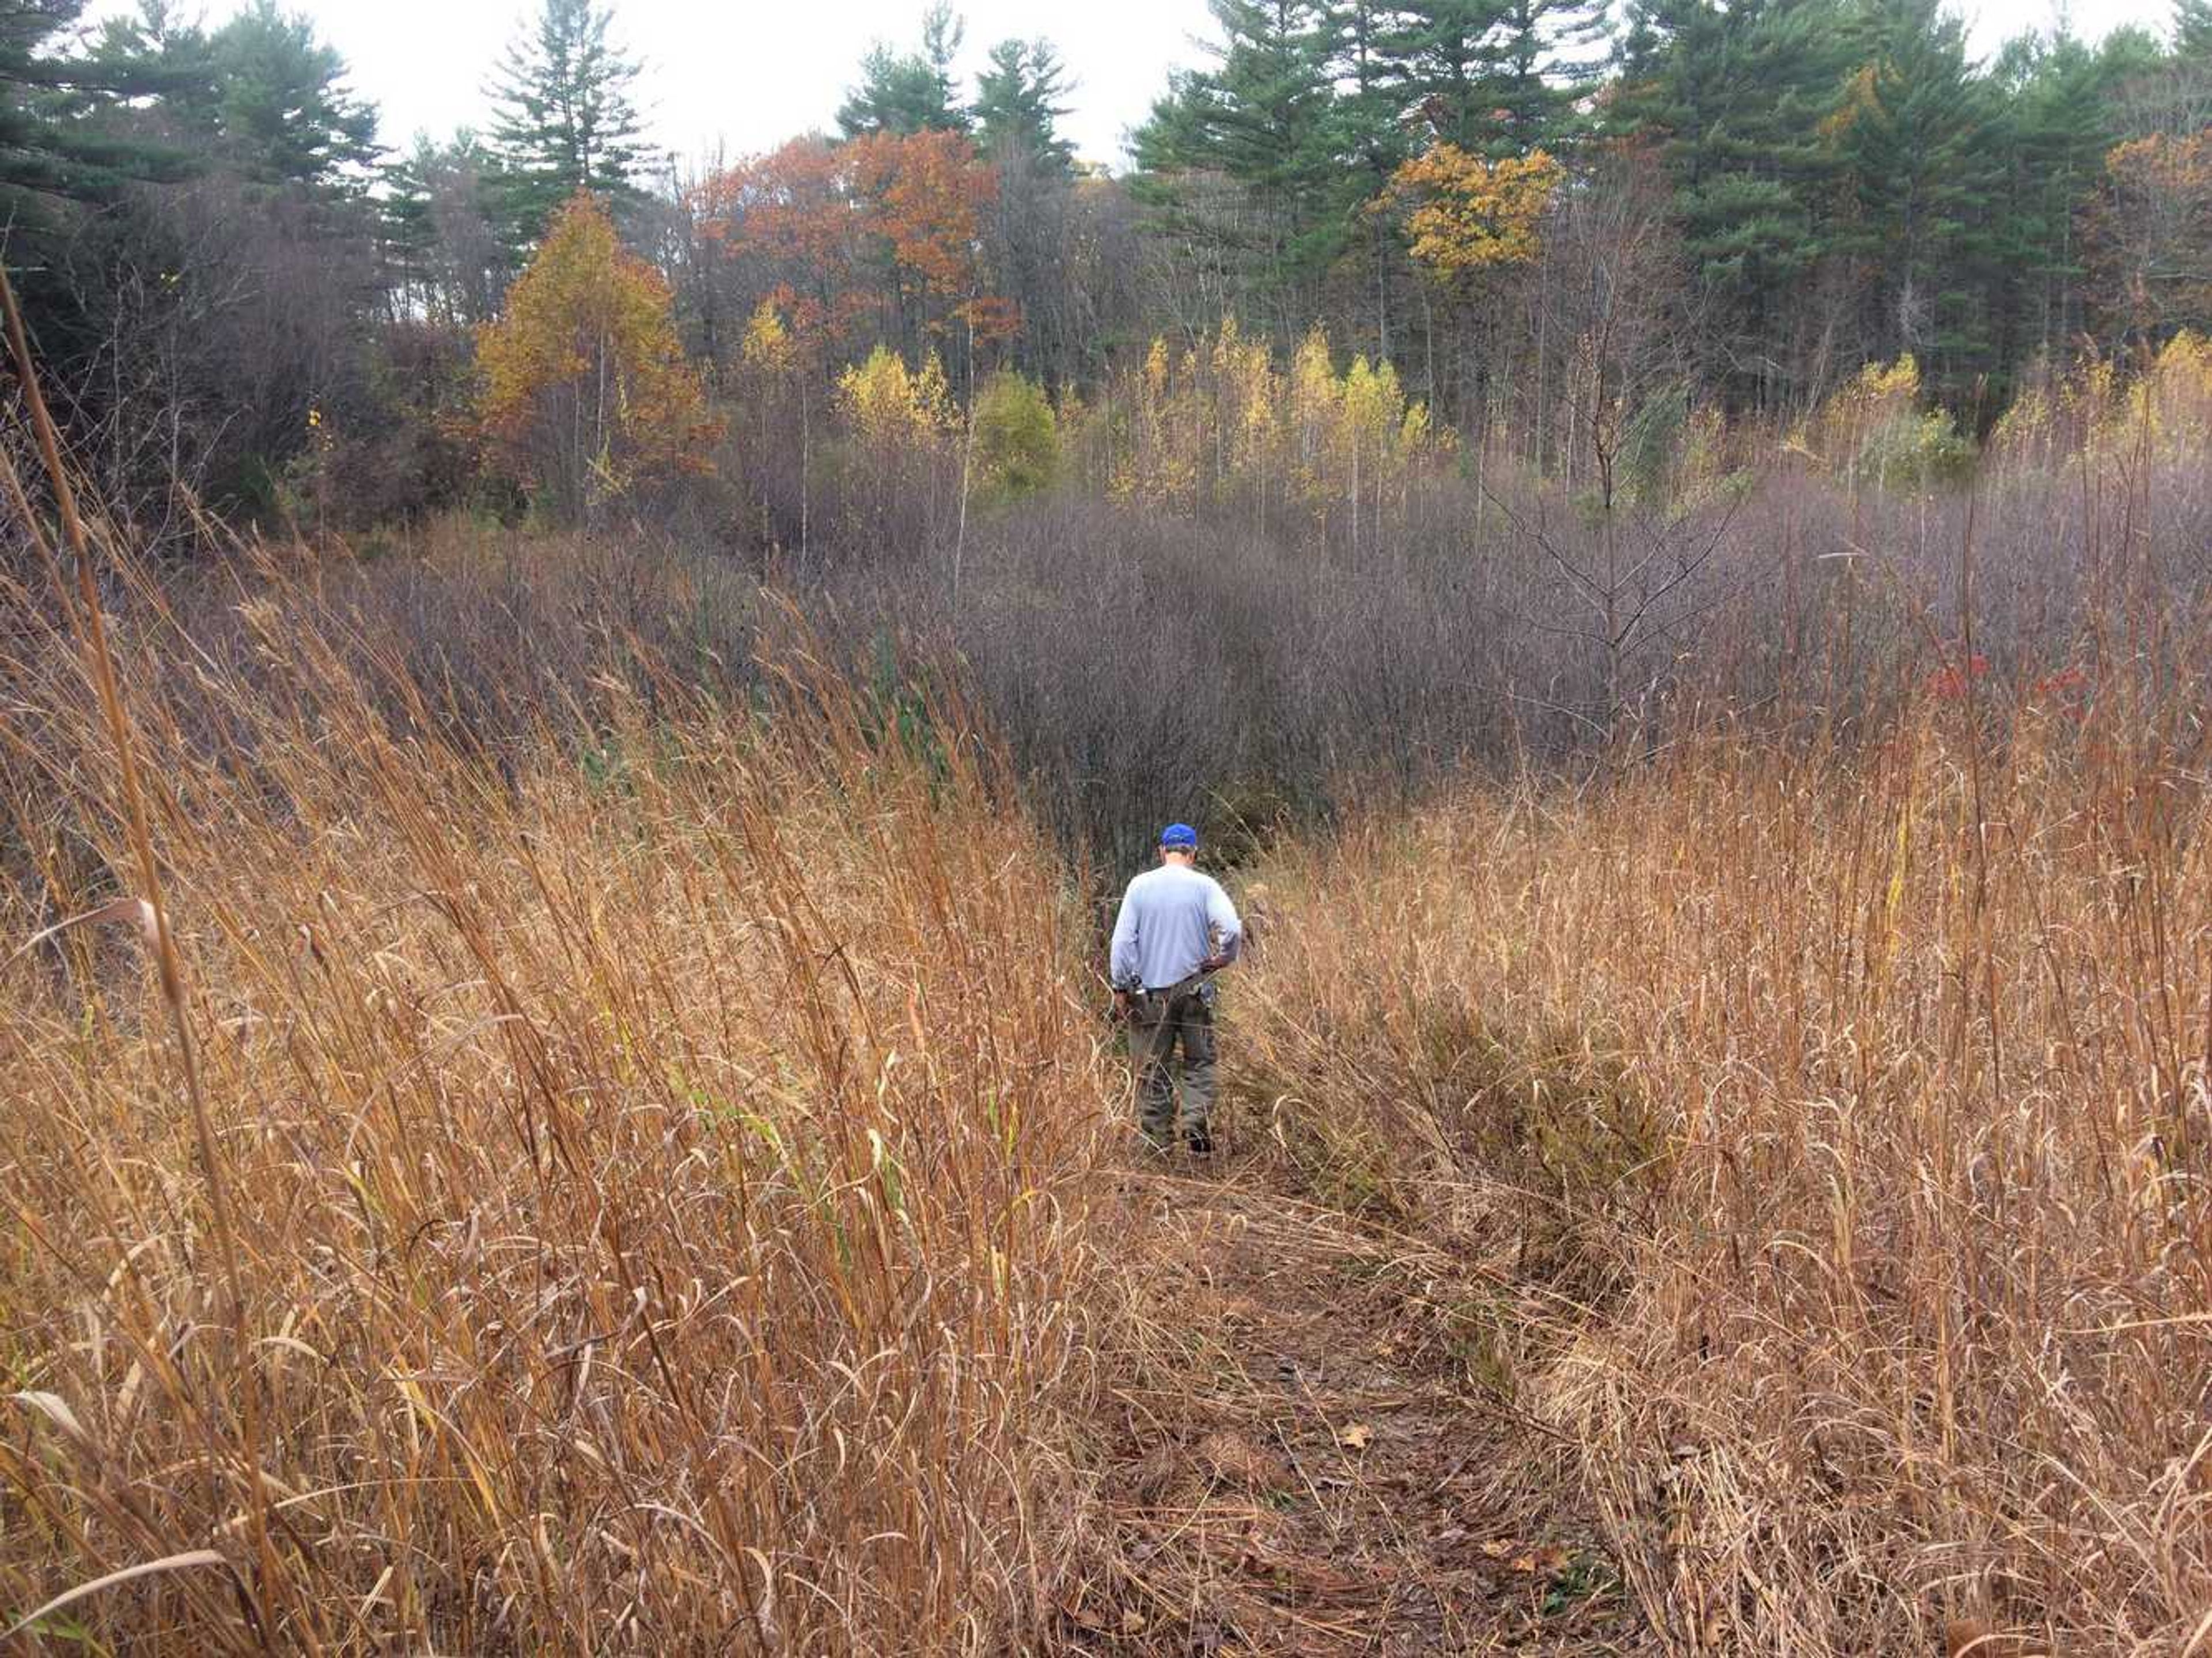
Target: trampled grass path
point(1296, 1460)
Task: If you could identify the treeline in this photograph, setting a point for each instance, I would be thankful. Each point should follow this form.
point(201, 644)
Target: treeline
point(1794, 188)
point(234, 280)
point(1552, 238)
point(237, 285)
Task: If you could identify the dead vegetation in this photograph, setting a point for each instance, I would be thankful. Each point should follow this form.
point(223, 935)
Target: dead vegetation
point(1853, 1100)
point(1291, 1460)
point(651, 1165)
point(623, 1174)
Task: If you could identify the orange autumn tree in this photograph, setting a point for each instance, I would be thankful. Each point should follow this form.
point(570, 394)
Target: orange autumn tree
point(2150, 233)
point(872, 240)
point(788, 216)
point(924, 196)
point(1464, 214)
point(585, 392)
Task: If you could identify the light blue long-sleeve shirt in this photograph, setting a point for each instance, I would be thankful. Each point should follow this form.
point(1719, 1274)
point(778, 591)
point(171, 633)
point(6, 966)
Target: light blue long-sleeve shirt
point(1172, 919)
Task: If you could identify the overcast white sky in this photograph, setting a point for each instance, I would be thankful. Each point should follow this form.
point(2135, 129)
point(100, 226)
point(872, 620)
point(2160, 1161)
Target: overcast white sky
point(750, 73)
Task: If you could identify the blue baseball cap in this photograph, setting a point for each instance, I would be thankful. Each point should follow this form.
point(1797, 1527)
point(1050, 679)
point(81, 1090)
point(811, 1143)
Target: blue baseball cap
point(1179, 836)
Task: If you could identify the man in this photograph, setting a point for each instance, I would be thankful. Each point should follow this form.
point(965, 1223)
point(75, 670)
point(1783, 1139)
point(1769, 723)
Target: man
point(1176, 930)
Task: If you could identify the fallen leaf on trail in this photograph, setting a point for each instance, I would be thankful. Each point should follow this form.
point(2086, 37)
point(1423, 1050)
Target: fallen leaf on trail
point(1357, 1437)
point(1549, 1559)
point(1497, 1547)
point(1132, 1621)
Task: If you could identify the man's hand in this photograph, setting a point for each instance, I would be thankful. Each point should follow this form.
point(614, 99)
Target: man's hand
point(1215, 962)
point(1120, 1007)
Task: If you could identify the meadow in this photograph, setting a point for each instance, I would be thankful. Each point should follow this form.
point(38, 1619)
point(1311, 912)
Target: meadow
point(1838, 1126)
point(627, 1196)
point(558, 1096)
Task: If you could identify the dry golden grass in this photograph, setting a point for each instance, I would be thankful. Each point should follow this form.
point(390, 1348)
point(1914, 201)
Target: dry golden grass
point(1851, 1158)
point(653, 1182)
point(630, 1188)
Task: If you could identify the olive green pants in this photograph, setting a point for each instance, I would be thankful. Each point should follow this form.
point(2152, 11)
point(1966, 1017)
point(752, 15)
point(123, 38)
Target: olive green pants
point(1160, 1022)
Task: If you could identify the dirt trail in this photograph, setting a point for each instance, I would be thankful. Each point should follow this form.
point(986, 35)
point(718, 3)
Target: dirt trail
point(1297, 1461)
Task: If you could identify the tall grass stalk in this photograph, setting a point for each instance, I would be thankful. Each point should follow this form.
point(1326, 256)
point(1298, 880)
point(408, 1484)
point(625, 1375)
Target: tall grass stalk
point(653, 1159)
point(1863, 1320)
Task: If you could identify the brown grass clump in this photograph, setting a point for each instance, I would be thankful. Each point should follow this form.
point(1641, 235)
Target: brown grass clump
point(1851, 1109)
point(650, 1165)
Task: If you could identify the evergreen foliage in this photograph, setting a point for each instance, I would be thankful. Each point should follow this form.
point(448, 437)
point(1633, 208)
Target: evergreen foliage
point(565, 121)
point(910, 92)
point(1019, 104)
point(52, 144)
point(267, 98)
point(2192, 30)
point(1267, 117)
point(1749, 200)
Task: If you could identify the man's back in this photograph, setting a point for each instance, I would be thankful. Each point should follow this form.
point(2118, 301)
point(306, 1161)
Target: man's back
point(1172, 919)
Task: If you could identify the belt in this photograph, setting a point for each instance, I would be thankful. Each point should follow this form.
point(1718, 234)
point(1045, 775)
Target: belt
point(1181, 987)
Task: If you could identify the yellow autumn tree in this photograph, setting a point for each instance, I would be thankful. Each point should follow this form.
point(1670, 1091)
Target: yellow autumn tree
point(768, 347)
point(1377, 434)
point(1464, 214)
point(887, 406)
point(1159, 467)
point(1873, 432)
point(900, 455)
point(1316, 397)
point(1219, 426)
point(1246, 392)
point(2164, 412)
point(1356, 440)
point(585, 394)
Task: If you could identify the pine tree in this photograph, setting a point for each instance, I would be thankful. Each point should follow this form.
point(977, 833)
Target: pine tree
point(53, 147)
point(1737, 99)
point(2049, 139)
point(1546, 67)
point(263, 99)
point(2192, 31)
point(281, 112)
point(1264, 117)
point(1370, 101)
point(1017, 105)
point(407, 221)
point(1495, 77)
point(908, 92)
point(565, 122)
point(1439, 60)
point(442, 256)
point(1371, 136)
point(225, 312)
point(1915, 140)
